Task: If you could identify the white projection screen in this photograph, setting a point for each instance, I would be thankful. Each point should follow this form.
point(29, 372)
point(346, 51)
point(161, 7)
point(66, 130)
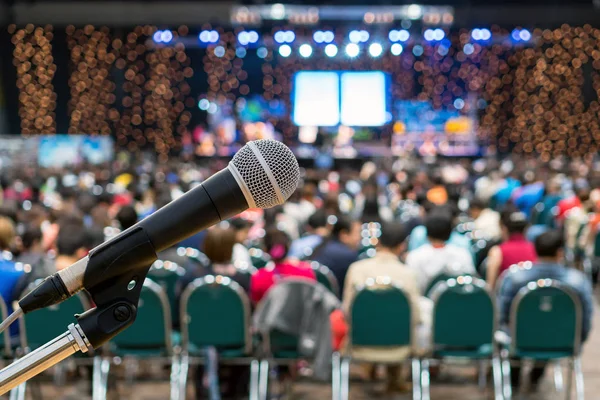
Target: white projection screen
point(316, 98)
point(331, 98)
point(363, 98)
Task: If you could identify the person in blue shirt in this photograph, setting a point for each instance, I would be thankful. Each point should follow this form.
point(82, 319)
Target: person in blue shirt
point(10, 271)
point(316, 229)
point(418, 236)
point(340, 248)
point(550, 250)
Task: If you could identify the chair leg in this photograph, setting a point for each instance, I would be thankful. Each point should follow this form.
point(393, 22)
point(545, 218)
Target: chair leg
point(254, 377)
point(579, 378)
point(416, 378)
point(19, 392)
point(558, 376)
point(507, 389)
point(497, 372)
point(183, 374)
point(425, 379)
point(175, 371)
point(335, 376)
point(569, 386)
point(263, 380)
point(482, 374)
point(100, 378)
point(345, 378)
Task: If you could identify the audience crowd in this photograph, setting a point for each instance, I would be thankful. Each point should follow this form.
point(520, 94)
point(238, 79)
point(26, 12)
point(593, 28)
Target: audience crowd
point(408, 220)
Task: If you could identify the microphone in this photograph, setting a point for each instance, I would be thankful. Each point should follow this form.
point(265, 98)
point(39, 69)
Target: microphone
point(262, 174)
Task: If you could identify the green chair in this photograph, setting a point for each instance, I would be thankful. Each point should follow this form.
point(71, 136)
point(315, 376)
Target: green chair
point(215, 314)
point(545, 324)
point(511, 270)
point(325, 277)
point(149, 338)
point(40, 327)
point(167, 274)
point(380, 316)
point(259, 258)
point(194, 255)
point(463, 328)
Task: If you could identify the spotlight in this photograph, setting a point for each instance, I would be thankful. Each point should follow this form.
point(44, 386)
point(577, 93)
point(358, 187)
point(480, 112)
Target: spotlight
point(240, 52)
point(516, 34)
point(331, 50)
point(414, 11)
point(279, 37)
point(318, 37)
point(468, 49)
point(219, 51)
point(290, 36)
point(328, 36)
point(438, 34)
point(352, 50)
point(485, 34)
point(476, 34)
point(428, 35)
point(396, 49)
point(262, 52)
point(375, 49)
point(157, 37)
point(354, 36)
point(525, 35)
point(364, 36)
point(203, 104)
point(213, 36)
point(394, 35)
point(403, 35)
point(243, 38)
point(167, 36)
point(459, 104)
point(305, 50)
point(252, 37)
point(285, 50)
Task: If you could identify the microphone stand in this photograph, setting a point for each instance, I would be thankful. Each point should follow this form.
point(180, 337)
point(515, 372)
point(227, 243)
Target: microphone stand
point(115, 284)
point(39, 360)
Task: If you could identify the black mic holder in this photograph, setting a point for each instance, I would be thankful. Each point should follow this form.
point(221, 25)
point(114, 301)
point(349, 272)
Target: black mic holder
point(114, 279)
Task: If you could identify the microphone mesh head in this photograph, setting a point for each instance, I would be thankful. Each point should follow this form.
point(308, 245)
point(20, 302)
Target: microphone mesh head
point(269, 170)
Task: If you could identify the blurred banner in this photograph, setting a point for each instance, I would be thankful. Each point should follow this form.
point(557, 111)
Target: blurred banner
point(50, 151)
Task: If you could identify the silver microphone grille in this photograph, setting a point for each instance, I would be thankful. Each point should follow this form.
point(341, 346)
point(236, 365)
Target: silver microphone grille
point(267, 172)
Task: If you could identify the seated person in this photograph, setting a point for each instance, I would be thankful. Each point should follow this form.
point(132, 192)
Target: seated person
point(386, 263)
point(418, 236)
point(316, 230)
point(218, 247)
point(550, 250)
point(241, 254)
point(10, 274)
point(277, 244)
point(438, 256)
point(514, 249)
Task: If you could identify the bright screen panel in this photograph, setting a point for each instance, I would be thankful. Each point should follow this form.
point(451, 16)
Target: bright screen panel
point(364, 99)
point(316, 98)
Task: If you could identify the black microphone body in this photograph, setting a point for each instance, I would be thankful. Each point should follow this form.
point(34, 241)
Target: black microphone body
point(216, 199)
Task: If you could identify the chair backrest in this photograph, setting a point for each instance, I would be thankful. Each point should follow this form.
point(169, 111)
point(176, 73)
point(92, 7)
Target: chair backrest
point(4, 337)
point(597, 245)
point(259, 258)
point(194, 255)
point(380, 315)
point(167, 274)
point(215, 311)
point(463, 314)
point(546, 315)
point(441, 277)
point(511, 270)
point(325, 277)
point(152, 327)
point(41, 326)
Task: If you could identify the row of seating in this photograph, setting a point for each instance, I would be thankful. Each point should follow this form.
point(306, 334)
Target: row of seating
point(215, 314)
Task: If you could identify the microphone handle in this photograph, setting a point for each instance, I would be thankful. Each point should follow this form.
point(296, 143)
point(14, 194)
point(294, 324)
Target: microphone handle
point(218, 198)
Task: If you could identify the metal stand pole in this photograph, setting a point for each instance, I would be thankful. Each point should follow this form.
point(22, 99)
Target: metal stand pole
point(43, 358)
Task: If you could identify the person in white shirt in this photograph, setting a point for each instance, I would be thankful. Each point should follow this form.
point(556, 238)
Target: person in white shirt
point(437, 256)
point(486, 221)
point(241, 255)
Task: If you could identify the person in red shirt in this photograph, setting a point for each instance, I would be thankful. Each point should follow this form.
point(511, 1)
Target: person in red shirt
point(277, 244)
point(514, 249)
